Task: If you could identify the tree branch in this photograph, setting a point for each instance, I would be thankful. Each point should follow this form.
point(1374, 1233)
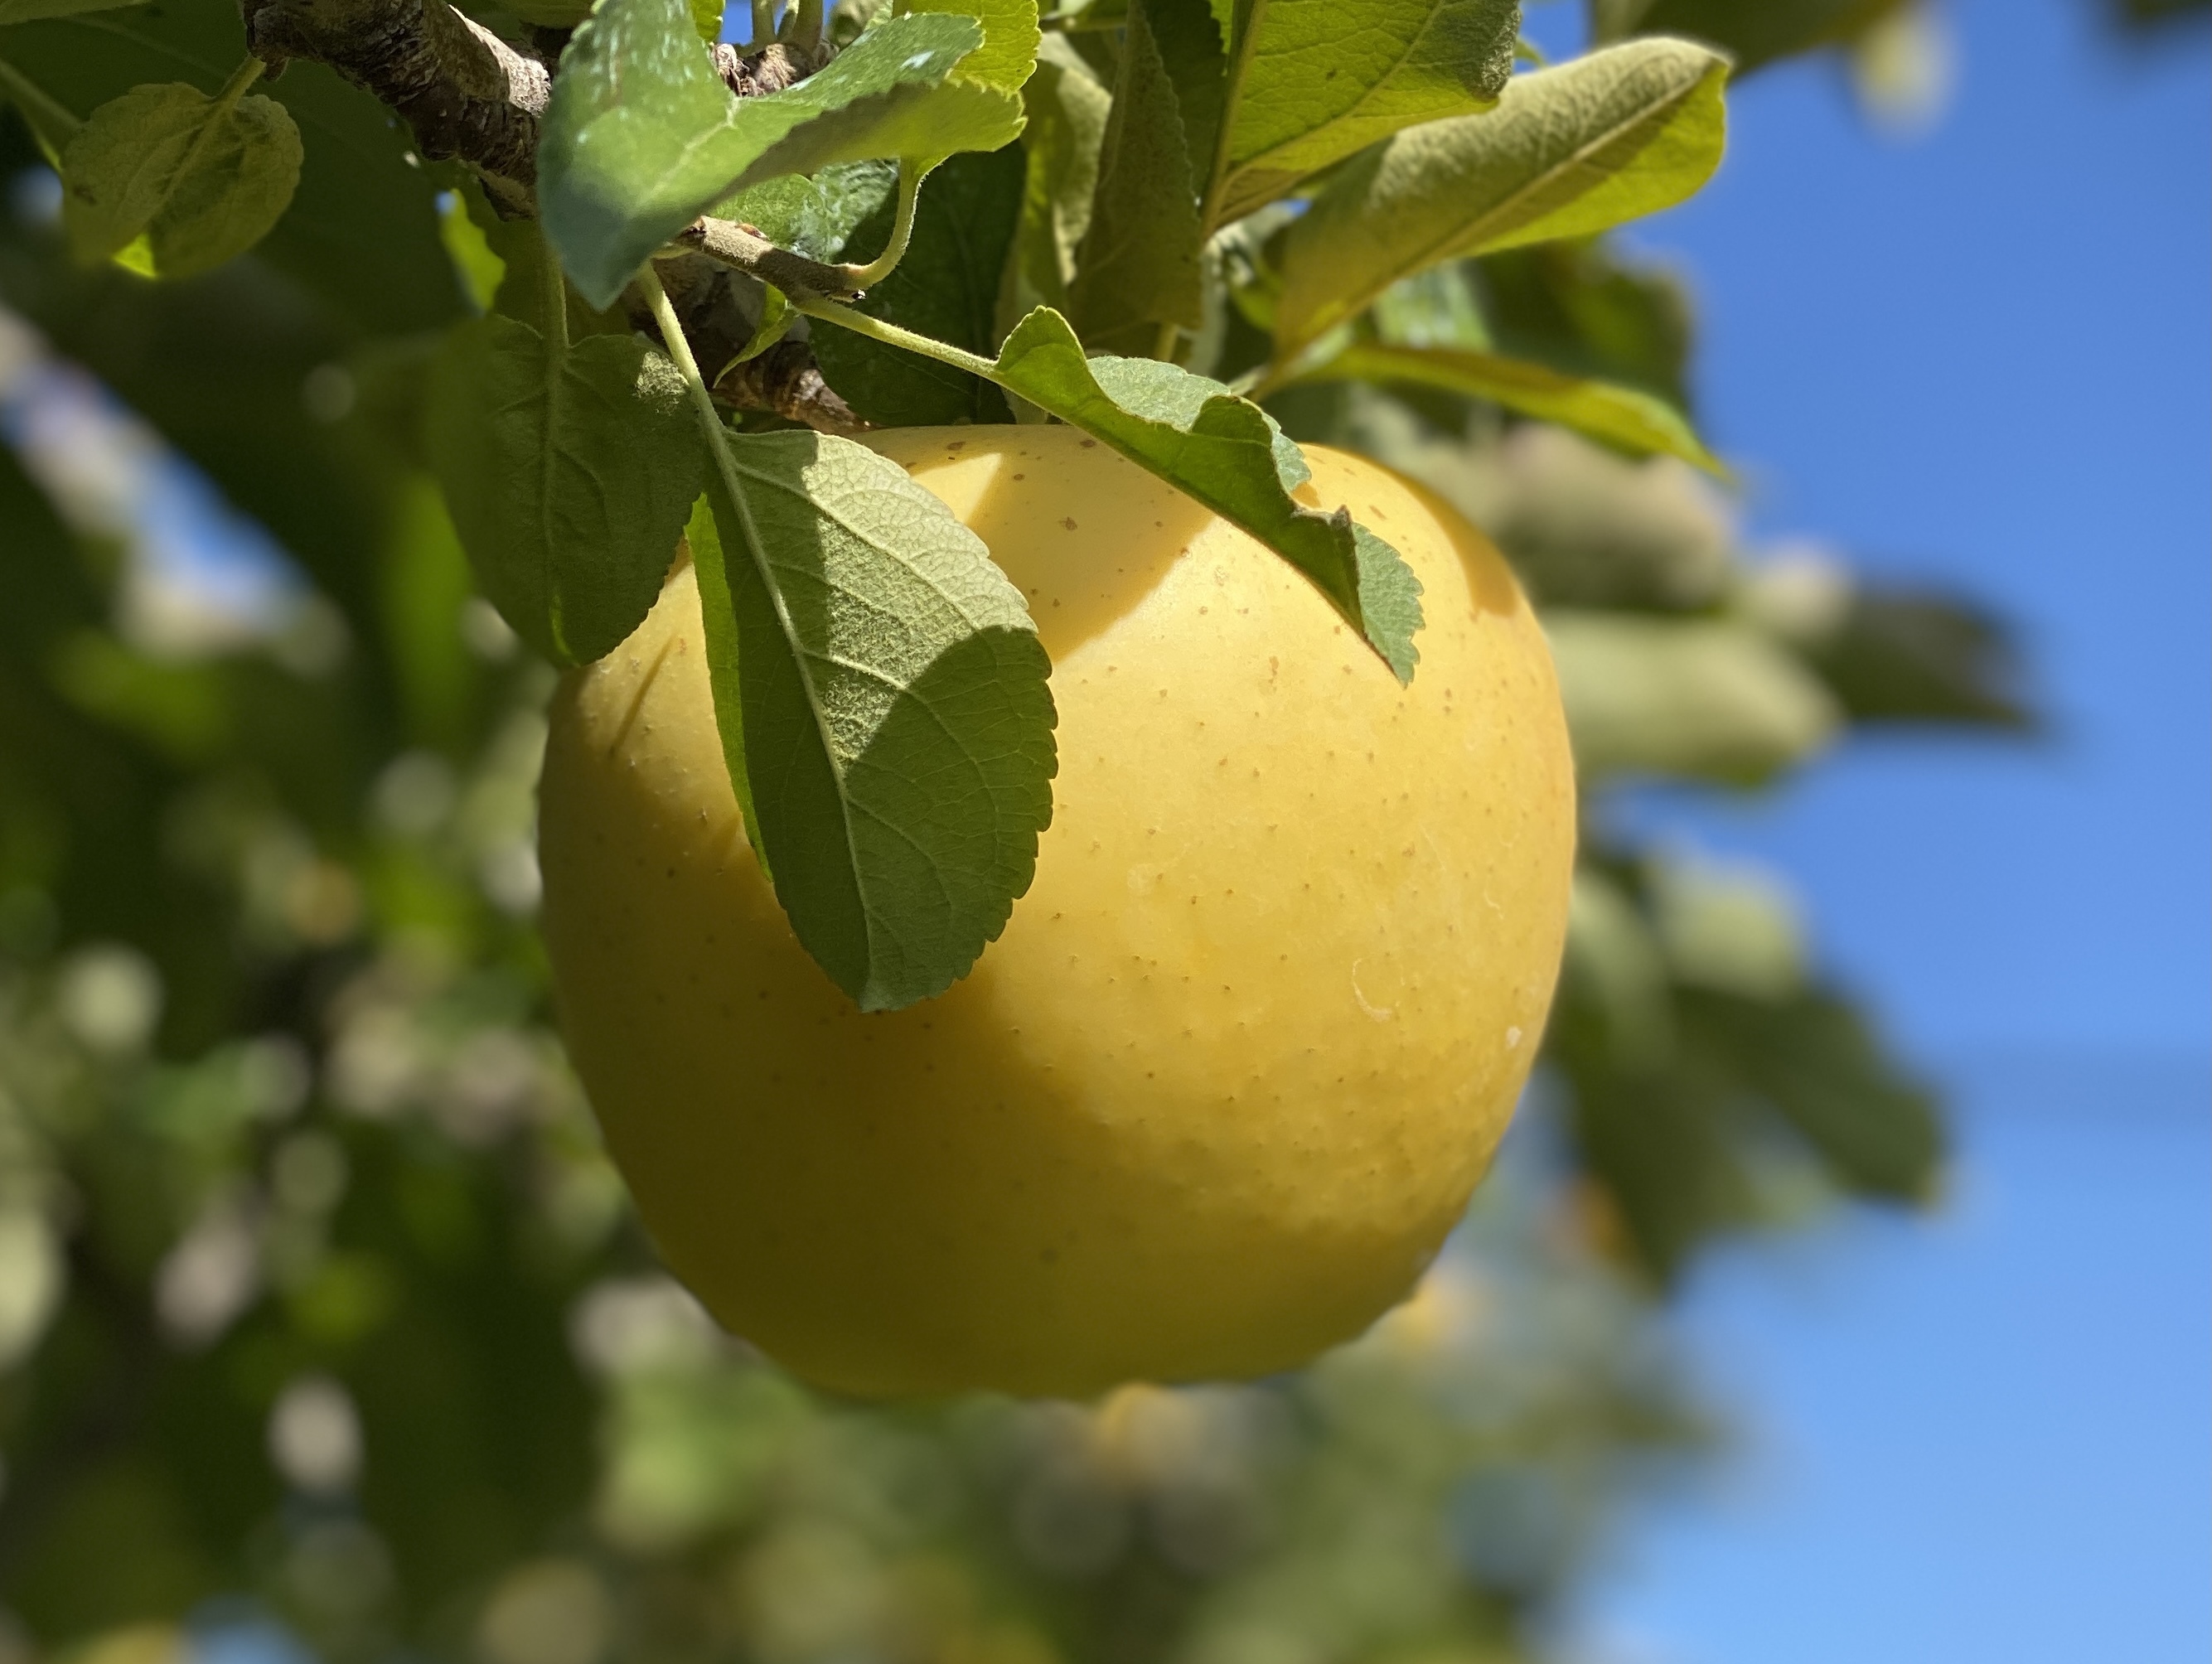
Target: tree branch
point(741, 247)
point(787, 380)
point(466, 94)
point(471, 97)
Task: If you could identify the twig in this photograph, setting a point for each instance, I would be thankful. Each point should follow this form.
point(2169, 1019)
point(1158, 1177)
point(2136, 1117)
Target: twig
point(471, 97)
point(746, 250)
point(785, 380)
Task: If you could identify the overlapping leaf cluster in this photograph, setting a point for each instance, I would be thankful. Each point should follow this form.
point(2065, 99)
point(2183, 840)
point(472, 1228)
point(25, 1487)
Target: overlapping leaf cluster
point(1283, 163)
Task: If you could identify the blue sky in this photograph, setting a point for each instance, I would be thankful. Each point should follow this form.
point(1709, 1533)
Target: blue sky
point(1980, 356)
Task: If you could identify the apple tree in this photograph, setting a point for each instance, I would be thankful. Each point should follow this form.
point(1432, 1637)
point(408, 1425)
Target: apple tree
point(323, 1317)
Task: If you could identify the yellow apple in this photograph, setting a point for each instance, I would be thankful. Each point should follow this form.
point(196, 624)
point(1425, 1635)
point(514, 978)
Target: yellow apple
point(1212, 1101)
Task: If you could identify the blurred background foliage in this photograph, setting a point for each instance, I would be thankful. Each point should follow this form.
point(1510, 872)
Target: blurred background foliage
point(324, 1329)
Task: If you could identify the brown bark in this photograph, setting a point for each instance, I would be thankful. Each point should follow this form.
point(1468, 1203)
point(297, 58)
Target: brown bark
point(471, 97)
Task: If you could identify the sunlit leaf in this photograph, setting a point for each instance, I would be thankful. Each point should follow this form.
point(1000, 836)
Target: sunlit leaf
point(1616, 416)
point(1224, 452)
point(641, 137)
point(1317, 80)
point(1568, 151)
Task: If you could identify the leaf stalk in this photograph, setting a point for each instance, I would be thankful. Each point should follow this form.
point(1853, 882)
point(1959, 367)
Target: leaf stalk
point(860, 278)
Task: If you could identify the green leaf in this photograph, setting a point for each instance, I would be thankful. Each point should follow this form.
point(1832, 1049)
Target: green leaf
point(361, 234)
point(882, 699)
point(1587, 529)
point(199, 180)
point(642, 135)
point(1752, 32)
point(1190, 48)
point(1816, 1062)
point(1568, 151)
point(1225, 452)
point(32, 11)
point(1635, 422)
point(1578, 307)
point(1703, 699)
point(1894, 655)
point(1657, 1144)
point(947, 287)
point(1011, 37)
point(569, 470)
point(1138, 267)
point(816, 216)
point(477, 263)
point(1068, 110)
point(1318, 81)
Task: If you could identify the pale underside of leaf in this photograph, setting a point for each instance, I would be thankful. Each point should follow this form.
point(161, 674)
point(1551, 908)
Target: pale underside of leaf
point(1569, 151)
point(882, 702)
point(1627, 417)
point(1323, 81)
point(1225, 452)
point(200, 181)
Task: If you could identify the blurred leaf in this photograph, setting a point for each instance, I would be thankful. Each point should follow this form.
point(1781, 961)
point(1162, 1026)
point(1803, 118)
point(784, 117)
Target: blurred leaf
point(1616, 974)
point(1754, 32)
point(1918, 656)
point(1815, 1059)
point(569, 469)
point(481, 268)
point(1576, 306)
point(882, 700)
point(1634, 421)
point(947, 287)
point(50, 124)
point(198, 180)
point(1696, 698)
point(1317, 80)
point(1569, 151)
point(31, 11)
point(1585, 529)
point(2143, 14)
point(1657, 1144)
point(1732, 930)
point(361, 234)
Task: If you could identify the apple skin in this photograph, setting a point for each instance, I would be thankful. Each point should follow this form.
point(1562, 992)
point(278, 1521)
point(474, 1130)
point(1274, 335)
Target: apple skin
point(1214, 1098)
